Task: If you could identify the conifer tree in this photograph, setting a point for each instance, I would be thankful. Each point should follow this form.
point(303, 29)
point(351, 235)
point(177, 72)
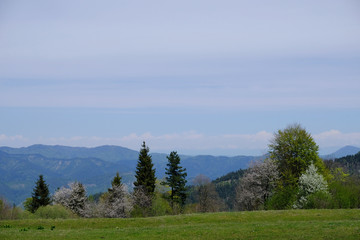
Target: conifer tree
point(40, 195)
point(176, 179)
point(116, 202)
point(116, 182)
point(145, 173)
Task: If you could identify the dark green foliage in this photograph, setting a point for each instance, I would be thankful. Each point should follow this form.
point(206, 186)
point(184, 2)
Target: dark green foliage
point(176, 179)
point(113, 194)
point(95, 197)
point(116, 182)
point(350, 164)
point(226, 187)
point(40, 195)
point(319, 200)
point(346, 194)
point(283, 198)
point(294, 150)
point(145, 174)
point(231, 176)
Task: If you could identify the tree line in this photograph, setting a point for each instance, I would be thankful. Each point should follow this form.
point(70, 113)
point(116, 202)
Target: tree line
point(292, 176)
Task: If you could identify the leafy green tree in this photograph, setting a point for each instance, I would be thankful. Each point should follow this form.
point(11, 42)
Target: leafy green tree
point(145, 173)
point(293, 149)
point(176, 179)
point(40, 195)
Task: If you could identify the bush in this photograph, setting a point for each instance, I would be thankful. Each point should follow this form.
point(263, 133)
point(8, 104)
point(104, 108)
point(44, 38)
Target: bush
point(160, 206)
point(319, 200)
point(311, 183)
point(9, 212)
point(54, 211)
point(345, 194)
point(283, 198)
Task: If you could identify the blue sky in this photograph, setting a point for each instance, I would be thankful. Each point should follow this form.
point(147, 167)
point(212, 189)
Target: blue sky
point(199, 77)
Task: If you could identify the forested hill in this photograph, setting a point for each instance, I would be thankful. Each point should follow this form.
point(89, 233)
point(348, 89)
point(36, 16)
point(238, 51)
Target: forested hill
point(350, 163)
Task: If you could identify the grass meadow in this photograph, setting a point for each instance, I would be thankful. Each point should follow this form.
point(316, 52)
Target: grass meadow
point(287, 224)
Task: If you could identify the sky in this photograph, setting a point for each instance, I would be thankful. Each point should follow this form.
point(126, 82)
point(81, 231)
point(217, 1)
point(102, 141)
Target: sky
point(197, 77)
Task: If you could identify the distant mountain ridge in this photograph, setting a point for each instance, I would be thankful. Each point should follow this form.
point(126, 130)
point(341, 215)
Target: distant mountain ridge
point(107, 152)
point(95, 167)
point(342, 152)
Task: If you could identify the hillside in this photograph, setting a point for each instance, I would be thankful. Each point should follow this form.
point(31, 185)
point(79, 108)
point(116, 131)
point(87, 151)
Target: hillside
point(107, 153)
point(95, 167)
point(18, 173)
point(350, 164)
point(342, 152)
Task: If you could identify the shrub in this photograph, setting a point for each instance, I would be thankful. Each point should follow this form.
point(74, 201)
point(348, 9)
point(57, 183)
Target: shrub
point(7, 211)
point(53, 212)
point(346, 194)
point(160, 206)
point(283, 198)
point(310, 183)
point(319, 200)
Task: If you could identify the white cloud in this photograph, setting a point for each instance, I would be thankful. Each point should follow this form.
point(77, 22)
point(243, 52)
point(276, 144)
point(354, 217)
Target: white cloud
point(15, 140)
point(336, 138)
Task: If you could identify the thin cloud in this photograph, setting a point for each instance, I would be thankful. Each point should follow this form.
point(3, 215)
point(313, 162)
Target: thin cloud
point(187, 142)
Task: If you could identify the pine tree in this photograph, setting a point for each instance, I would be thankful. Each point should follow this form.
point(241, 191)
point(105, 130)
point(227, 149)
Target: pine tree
point(40, 195)
point(145, 173)
point(176, 179)
point(116, 181)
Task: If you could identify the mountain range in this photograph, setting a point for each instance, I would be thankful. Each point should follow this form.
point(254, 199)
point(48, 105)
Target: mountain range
point(95, 167)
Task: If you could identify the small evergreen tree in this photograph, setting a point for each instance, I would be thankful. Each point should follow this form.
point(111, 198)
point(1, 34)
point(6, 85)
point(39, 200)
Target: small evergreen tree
point(145, 174)
point(40, 195)
point(116, 202)
point(176, 179)
point(116, 181)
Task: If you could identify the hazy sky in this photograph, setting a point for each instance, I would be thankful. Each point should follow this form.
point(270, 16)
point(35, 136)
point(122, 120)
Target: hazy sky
point(199, 77)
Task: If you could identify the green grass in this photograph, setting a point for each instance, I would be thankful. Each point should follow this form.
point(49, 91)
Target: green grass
point(293, 224)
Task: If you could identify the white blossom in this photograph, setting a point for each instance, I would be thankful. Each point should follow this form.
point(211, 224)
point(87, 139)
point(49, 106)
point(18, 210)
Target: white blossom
point(73, 198)
point(257, 185)
point(310, 182)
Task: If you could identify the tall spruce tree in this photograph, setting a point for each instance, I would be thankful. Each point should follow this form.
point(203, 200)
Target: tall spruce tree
point(145, 173)
point(40, 195)
point(176, 179)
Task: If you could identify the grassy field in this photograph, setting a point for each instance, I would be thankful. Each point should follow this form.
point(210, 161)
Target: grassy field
point(293, 224)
